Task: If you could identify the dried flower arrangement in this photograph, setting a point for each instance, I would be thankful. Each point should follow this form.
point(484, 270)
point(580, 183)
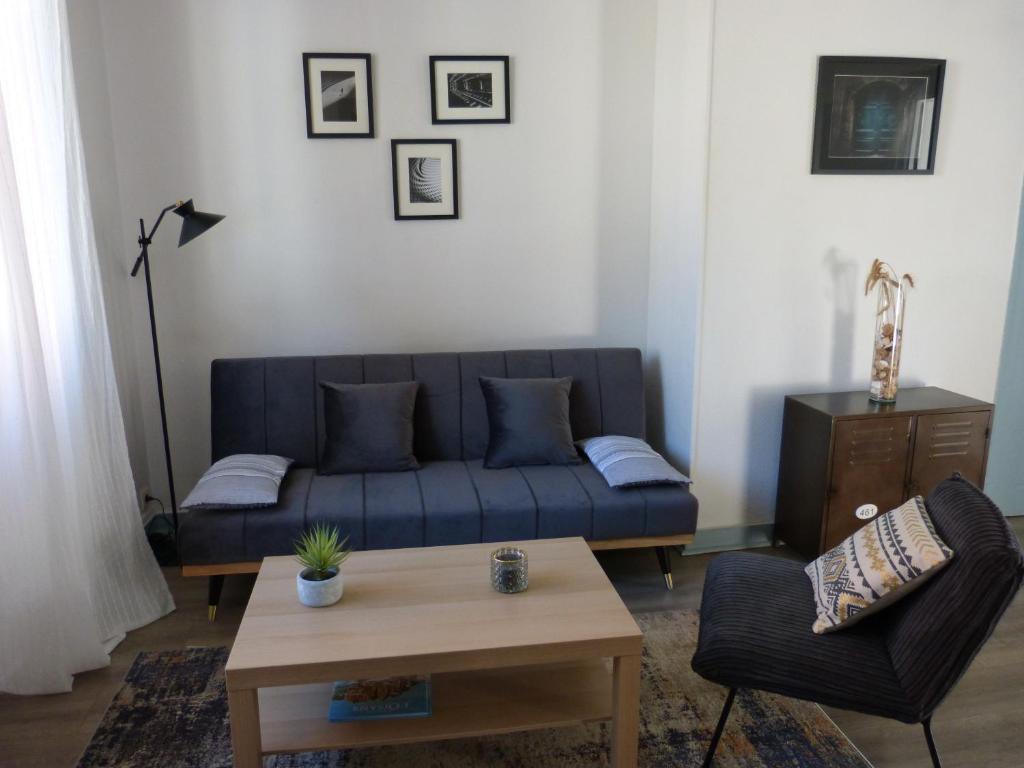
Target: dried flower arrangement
point(885, 359)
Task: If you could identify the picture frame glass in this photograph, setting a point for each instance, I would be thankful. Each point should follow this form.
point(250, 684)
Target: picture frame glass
point(470, 89)
point(424, 180)
point(339, 96)
point(881, 116)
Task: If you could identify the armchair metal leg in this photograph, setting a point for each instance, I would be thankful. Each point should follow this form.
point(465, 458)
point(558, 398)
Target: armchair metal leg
point(216, 584)
point(710, 757)
point(932, 750)
point(665, 561)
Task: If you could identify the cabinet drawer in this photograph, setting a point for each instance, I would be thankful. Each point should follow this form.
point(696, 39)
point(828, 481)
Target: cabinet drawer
point(869, 466)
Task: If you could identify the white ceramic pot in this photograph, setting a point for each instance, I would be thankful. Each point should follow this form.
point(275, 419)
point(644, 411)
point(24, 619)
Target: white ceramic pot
point(317, 594)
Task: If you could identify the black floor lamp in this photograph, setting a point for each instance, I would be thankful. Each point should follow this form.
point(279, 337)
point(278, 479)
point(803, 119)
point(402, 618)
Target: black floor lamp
point(193, 224)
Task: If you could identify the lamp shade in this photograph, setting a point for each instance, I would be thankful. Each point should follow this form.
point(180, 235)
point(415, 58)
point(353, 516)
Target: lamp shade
point(194, 222)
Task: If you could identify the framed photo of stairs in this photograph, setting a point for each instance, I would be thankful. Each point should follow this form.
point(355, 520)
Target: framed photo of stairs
point(470, 89)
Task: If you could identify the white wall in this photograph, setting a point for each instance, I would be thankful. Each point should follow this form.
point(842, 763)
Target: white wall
point(740, 269)
point(552, 247)
point(787, 252)
point(682, 100)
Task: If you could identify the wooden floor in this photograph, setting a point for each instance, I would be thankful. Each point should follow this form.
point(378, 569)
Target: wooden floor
point(981, 724)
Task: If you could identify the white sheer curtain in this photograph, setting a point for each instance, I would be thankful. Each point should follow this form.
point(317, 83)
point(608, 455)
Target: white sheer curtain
point(76, 572)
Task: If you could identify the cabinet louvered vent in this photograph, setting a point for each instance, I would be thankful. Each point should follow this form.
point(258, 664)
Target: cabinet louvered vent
point(875, 446)
point(950, 438)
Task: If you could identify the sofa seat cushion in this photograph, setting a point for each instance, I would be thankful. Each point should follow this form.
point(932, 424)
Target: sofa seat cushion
point(755, 632)
point(443, 502)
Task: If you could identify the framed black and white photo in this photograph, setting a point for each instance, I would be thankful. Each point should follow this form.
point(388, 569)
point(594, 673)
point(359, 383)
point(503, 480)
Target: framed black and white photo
point(877, 115)
point(339, 95)
point(425, 177)
point(470, 89)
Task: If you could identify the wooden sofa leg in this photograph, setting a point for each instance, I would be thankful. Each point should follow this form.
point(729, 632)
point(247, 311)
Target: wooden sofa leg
point(216, 584)
point(665, 561)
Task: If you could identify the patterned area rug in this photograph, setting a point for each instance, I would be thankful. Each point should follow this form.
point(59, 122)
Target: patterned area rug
point(172, 713)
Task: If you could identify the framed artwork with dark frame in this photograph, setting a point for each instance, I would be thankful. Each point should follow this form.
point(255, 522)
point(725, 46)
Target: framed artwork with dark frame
point(470, 89)
point(339, 95)
point(424, 174)
point(877, 115)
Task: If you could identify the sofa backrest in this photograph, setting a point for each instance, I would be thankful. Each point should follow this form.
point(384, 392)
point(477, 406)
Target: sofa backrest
point(934, 633)
point(274, 404)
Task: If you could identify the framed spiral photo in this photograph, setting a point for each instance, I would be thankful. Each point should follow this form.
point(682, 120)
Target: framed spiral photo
point(470, 89)
point(425, 178)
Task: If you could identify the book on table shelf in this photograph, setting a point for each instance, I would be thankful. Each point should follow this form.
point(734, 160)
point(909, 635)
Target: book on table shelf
point(380, 699)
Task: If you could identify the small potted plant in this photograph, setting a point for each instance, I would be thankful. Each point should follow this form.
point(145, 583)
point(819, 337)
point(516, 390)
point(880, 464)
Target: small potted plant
point(320, 552)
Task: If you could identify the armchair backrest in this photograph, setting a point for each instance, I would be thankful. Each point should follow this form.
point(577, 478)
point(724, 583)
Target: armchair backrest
point(935, 633)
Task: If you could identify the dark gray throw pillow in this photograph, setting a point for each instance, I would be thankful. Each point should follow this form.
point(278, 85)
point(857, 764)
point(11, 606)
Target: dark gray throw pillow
point(529, 422)
point(369, 427)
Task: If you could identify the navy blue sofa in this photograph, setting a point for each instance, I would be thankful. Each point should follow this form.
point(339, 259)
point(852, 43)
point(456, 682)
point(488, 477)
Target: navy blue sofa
point(274, 405)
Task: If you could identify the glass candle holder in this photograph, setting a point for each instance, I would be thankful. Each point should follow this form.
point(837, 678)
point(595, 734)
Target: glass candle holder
point(509, 570)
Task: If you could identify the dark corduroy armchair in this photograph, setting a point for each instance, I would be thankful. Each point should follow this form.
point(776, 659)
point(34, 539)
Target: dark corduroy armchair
point(757, 612)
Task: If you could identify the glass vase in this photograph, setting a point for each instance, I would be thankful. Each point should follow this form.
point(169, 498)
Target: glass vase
point(888, 339)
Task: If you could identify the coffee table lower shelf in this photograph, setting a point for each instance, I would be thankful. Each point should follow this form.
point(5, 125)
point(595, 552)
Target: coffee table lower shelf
point(465, 704)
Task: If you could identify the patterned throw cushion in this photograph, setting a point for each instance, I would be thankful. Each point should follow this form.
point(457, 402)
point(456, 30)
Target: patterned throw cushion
point(876, 566)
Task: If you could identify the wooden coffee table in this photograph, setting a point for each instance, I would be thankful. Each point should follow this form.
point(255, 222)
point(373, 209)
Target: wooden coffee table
point(564, 652)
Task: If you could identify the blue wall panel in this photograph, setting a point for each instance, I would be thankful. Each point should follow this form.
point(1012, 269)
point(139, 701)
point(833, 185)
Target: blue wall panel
point(1005, 479)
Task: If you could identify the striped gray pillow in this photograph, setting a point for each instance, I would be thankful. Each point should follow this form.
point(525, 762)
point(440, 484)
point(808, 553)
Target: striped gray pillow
point(241, 481)
point(629, 461)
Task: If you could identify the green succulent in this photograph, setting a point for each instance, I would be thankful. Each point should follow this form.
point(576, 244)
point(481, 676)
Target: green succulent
point(320, 551)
